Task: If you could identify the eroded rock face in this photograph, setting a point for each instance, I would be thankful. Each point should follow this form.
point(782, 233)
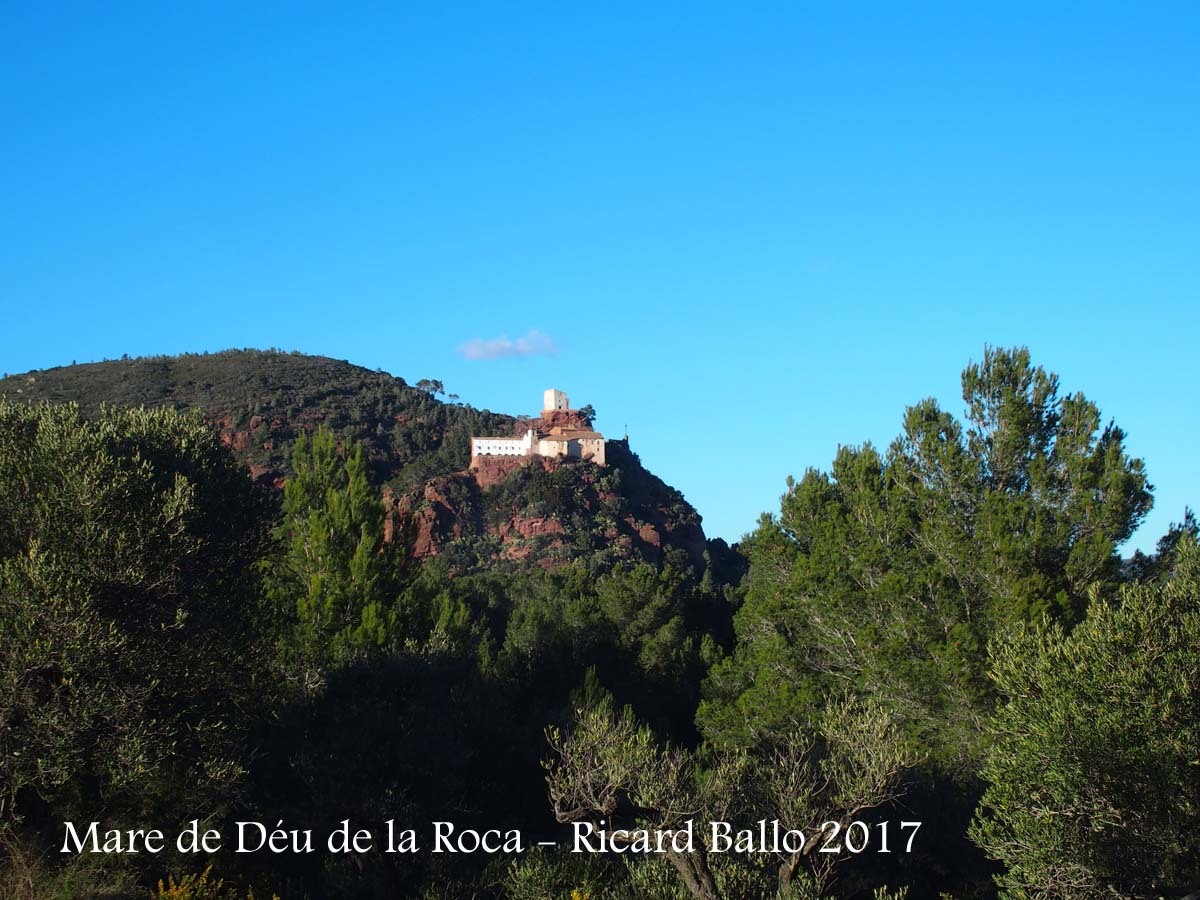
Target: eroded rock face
point(532, 527)
point(562, 418)
point(242, 440)
point(435, 521)
point(490, 471)
point(650, 536)
point(551, 419)
point(523, 538)
point(617, 512)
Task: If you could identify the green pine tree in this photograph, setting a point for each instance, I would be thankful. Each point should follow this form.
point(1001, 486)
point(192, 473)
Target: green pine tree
point(336, 581)
point(888, 575)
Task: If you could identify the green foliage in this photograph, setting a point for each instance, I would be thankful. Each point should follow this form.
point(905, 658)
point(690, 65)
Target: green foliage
point(609, 766)
point(645, 609)
point(889, 574)
point(336, 581)
point(1094, 771)
point(126, 611)
point(540, 874)
point(27, 874)
point(129, 655)
point(635, 628)
point(409, 435)
point(418, 690)
point(198, 886)
point(140, 600)
point(1161, 563)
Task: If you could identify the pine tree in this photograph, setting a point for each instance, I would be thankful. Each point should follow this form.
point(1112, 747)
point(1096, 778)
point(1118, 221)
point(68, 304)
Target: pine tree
point(337, 581)
point(888, 575)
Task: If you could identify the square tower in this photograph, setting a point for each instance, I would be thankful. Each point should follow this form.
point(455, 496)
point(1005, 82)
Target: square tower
point(553, 400)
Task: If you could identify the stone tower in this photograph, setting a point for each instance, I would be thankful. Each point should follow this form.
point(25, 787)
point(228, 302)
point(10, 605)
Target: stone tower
point(553, 400)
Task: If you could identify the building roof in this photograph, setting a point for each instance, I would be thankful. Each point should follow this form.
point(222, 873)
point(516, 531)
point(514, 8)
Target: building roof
point(573, 436)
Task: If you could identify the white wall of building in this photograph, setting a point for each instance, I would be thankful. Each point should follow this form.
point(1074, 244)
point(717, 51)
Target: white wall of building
point(496, 446)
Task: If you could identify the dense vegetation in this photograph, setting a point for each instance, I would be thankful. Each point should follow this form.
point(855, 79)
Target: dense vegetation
point(942, 632)
point(264, 400)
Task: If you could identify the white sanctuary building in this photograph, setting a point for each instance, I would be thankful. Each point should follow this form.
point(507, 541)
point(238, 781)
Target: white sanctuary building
point(564, 435)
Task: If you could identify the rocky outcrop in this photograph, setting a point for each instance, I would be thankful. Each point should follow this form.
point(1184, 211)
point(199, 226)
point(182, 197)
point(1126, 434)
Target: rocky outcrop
point(532, 527)
point(562, 418)
point(433, 516)
point(490, 471)
point(550, 512)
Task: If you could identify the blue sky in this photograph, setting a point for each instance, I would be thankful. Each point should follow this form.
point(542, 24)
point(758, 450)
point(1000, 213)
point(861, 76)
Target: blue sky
point(751, 233)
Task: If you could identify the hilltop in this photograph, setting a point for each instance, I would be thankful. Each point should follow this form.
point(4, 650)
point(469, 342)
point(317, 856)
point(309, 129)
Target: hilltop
point(419, 448)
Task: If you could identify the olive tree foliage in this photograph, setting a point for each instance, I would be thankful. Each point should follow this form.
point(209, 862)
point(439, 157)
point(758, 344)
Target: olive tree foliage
point(886, 576)
point(1094, 767)
point(609, 769)
point(127, 605)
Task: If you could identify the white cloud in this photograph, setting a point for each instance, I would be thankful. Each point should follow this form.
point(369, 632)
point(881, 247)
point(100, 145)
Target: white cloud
point(532, 344)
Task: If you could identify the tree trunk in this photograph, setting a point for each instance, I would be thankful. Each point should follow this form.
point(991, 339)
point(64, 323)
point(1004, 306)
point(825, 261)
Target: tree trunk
point(693, 867)
point(788, 869)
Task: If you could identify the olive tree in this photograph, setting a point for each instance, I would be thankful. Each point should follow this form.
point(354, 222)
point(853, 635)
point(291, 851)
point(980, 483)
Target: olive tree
point(1094, 766)
point(609, 768)
point(128, 613)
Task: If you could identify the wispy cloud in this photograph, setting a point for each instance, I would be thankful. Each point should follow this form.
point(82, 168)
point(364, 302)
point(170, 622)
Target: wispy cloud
point(532, 344)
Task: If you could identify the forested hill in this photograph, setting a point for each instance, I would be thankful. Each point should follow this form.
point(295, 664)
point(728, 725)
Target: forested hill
point(418, 446)
point(261, 400)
